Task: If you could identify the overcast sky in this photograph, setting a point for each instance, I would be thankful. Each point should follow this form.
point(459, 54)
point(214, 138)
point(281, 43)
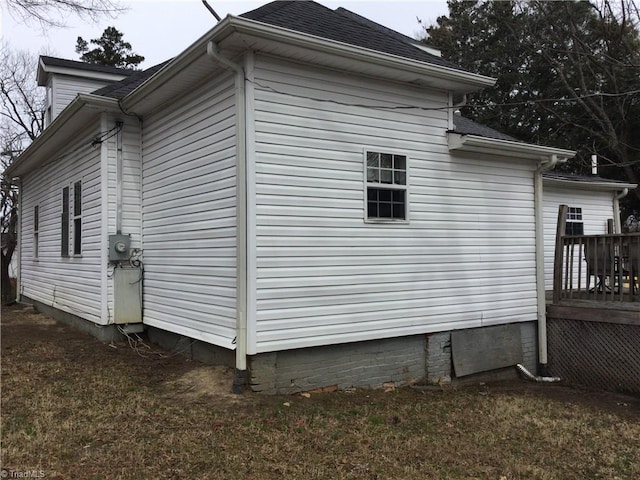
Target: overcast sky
point(160, 29)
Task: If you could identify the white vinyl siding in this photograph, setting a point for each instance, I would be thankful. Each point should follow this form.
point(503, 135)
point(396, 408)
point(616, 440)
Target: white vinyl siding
point(71, 284)
point(64, 88)
point(189, 215)
point(597, 208)
point(323, 275)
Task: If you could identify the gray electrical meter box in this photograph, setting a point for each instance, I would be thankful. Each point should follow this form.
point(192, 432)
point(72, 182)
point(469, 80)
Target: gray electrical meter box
point(119, 247)
point(127, 302)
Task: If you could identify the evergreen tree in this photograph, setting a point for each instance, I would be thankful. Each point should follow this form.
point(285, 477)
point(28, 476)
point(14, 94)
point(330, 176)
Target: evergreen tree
point(110, 50)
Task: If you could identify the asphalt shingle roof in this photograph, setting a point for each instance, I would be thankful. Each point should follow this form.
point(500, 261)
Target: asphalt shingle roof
point(464, 126)
point(127, 85)
point(342, 26)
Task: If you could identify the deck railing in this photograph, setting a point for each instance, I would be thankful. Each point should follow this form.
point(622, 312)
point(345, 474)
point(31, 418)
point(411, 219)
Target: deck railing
point(597, 267)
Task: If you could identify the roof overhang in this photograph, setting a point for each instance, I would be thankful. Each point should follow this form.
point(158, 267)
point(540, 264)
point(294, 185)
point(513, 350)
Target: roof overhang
point(234, 35)
point(44, 70)
point(84, 109)
point(600, 185)
point(493, 146)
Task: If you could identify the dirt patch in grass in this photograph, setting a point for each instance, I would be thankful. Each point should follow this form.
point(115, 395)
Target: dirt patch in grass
point(73, 407)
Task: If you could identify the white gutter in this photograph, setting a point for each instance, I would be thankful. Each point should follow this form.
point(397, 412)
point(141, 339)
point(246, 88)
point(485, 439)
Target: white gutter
point(240, 380)
point(33, 151)
point(232, 24)
point(602, 185)
point(494, 146)
point(617, 228)
point(540, 288)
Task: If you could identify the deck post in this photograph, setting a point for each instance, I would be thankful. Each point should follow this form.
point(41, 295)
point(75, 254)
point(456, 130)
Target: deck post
point(559, 253)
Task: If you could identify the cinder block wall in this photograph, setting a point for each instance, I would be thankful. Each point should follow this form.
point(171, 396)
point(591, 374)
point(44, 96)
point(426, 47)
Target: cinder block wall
point(439, 368)
point(370, 364)
point(362, 364)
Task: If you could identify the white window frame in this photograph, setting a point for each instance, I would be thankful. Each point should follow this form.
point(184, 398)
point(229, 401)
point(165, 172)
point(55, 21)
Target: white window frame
point(574, 216)
point(389, 186)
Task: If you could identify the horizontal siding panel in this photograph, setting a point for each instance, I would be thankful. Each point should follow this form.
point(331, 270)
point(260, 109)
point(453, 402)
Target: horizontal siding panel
point(189, 215)
point(72, 284)
point(465, 258)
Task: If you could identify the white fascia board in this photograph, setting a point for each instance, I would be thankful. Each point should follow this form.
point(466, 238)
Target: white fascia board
point(45, 70)
point(232, 24)
point(494, 146)
point(270, 32)
point(600, 185)
point(64, 126)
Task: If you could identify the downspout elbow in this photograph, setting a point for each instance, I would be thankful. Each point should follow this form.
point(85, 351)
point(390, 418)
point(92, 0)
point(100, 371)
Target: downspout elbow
point(550, 165)
point(213, 51)
point(622, 194)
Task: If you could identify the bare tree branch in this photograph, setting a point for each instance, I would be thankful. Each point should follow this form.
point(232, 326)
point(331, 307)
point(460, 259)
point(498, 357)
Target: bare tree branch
point(52, 13)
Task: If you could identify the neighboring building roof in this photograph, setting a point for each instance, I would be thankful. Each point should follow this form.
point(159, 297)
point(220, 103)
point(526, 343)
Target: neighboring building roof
point(464, 126)
point(125, 86)
point(342, 26)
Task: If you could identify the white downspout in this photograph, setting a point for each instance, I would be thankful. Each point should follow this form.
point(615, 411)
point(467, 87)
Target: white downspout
point(18, 249)
point(617, 227)
point(119, 175)
point(240, 380)
point(540, 288)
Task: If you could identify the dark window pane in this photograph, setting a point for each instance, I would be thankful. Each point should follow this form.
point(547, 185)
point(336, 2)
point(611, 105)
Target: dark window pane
point(398, 211)
point(385, 176)
point(399, 162)
point(574, 228)
point(64, 227)
point(384, 210)
point(373, 159)
point(36, 218)
point(399, 178)
point(372, 175)
point(386, 160)
point(386, 203)
point(65, 200)
point(77, 236)
point(372, 209)
point(398, 196)
point(77, 199)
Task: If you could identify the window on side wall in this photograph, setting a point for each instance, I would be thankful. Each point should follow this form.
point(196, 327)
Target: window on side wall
point(77, 218)
point(36, 230)
point(64, 223)
point(574, 225)
point(386, 180)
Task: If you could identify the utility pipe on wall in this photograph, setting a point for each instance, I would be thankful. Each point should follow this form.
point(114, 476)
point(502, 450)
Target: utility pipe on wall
point(241, 216)
point(540, 287)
